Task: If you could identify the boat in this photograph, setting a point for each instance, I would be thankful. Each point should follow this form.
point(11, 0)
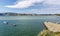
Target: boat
point(14, 25)
point(5, 22)
point(54, 27)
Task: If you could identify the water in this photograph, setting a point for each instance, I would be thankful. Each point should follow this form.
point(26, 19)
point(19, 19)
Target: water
point(26, 25)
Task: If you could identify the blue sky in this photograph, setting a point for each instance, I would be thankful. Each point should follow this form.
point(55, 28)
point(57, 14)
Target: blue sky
point(30, 6)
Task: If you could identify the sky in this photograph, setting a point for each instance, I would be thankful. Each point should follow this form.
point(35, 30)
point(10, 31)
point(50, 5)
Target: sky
point(30, 6)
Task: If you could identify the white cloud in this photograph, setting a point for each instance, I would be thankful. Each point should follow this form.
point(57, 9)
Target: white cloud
point(28, 3)
point(54, 2)
point(24, 3)
point(45, 11)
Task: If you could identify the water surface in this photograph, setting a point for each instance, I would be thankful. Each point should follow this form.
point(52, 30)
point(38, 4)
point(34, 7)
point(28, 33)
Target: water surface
point(26, 25)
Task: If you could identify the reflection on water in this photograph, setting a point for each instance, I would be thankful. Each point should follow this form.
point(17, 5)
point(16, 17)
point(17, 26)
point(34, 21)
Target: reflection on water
point(26, 25)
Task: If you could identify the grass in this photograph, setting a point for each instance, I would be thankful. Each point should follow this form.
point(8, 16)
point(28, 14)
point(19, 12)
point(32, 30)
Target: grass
point(48, 33)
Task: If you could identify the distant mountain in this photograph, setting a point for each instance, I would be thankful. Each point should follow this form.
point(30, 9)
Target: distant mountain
point(24, 14)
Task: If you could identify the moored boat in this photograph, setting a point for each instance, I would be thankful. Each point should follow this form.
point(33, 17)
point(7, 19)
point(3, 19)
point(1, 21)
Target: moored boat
point(5, 22)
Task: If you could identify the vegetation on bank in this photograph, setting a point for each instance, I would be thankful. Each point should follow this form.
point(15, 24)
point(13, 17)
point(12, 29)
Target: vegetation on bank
point(48, 33)
point(57, 14)
point(24, 14)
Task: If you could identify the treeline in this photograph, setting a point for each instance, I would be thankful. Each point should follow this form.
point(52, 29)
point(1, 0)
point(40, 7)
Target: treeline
point(24, 14)
point(57, 14)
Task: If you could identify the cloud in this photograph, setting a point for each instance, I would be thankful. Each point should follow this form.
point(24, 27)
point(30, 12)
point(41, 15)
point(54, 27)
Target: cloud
point(45, 11)
point(54, 2)
point(23, 3)
point(29, 3)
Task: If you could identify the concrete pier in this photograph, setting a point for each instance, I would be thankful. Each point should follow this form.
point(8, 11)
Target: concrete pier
point(54, 27)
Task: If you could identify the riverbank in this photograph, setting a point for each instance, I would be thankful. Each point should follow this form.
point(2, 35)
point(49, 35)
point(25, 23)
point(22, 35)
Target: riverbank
point(46, 32)
point(53, 29)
